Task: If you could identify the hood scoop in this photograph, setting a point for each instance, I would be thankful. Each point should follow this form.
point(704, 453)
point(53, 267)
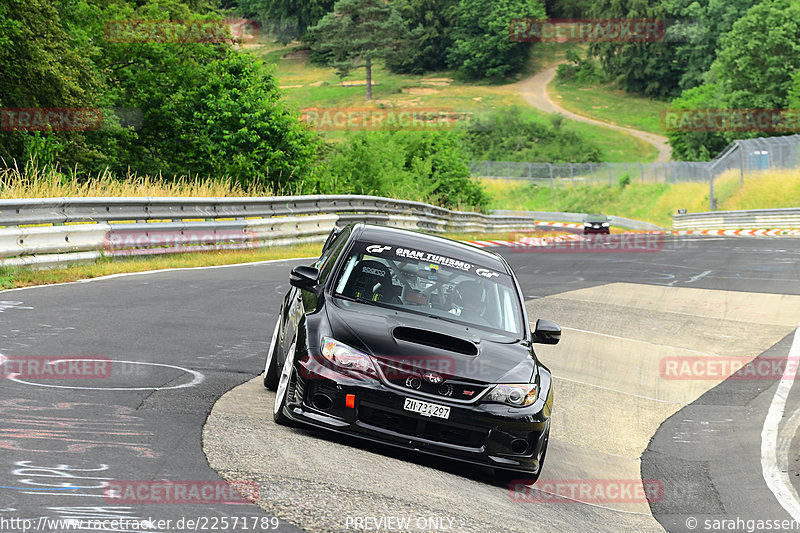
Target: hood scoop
point(435, 340)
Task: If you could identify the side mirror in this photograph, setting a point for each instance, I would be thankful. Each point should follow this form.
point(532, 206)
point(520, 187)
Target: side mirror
point(546, 332)
point(304, 277)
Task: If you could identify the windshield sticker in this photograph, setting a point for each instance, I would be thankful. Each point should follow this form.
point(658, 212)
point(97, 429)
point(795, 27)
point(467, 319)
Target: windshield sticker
point(434, 261)
point(377, 249)
point(433, 258)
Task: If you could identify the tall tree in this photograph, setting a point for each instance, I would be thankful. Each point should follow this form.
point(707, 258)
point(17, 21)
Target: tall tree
point(758, 57)
point(288, 19)
point(482, 47)
point(41, 66)
point(430, 25)
point(359, 32)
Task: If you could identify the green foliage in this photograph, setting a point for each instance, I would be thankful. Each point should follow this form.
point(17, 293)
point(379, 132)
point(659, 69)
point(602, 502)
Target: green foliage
point(643, 67)
point(288, 19)
point(624, 180)
point(511, 135)
point(429, 25)
point(696, 33)
point(481, 44)
point(404, 164)
point(580, 71)
point(228, 121)
point(199, 108)
point(567, 9)
point(793, 99)
point(42, 65)
point(756, 68)
point(757, 58)
point(696, 145)
point(357, 33)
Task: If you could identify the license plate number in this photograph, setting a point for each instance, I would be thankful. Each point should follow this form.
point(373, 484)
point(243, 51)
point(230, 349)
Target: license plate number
point(427, 409)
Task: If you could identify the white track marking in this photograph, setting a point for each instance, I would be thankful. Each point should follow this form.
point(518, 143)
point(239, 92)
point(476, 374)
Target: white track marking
point(618, 391)
point(778, 479)
point(197, 378)
point(637, 340)
point(702, 275)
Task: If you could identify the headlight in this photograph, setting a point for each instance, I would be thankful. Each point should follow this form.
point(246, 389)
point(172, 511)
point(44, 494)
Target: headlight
point(346, 357)
point(516, 395)
point(587, 224)
point(605, 224)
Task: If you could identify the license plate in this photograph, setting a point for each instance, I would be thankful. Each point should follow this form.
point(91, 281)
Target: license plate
point(427, 409)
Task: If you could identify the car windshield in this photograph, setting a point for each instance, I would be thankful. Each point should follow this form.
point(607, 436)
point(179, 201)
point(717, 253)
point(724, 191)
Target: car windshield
point(427, 283)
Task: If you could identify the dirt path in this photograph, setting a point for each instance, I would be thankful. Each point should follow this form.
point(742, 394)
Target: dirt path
point(534, 91)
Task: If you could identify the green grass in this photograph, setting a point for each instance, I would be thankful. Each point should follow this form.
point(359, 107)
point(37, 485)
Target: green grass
point(617, 146)
point(652, 202)
point(609, 104)
point(306, 85)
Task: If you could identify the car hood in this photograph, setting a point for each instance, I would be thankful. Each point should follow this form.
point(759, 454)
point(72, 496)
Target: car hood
point(430, 344)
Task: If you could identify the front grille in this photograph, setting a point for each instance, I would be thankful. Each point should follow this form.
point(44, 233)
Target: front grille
point(412, 379)
point(426, 429)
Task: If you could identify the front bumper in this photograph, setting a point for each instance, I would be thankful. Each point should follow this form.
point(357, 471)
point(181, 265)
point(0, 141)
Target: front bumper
point(486, 434)
point(593, 229)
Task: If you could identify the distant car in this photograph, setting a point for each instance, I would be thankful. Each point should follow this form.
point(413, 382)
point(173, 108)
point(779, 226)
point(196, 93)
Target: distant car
point(418, 342)
point(597, 224)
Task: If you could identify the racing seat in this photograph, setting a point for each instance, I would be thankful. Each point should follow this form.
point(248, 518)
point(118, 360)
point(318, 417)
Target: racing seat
point(372, 280)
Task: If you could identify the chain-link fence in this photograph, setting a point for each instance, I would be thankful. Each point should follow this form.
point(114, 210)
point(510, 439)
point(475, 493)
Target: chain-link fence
point(745, 155)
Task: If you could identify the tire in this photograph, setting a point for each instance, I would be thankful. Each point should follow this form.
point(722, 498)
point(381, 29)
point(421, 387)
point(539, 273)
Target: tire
point(507, 476)
point(282, 392)
point(271, 366)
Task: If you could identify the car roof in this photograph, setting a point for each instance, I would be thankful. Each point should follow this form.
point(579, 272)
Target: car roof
point(431, 243)
point(596, 217)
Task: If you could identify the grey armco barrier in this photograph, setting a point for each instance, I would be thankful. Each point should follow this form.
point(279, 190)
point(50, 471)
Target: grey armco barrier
point(752, 219)
point(58, 231)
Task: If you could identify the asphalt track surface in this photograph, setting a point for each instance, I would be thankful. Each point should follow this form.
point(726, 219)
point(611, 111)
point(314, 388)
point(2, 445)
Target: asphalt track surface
point(180, 340)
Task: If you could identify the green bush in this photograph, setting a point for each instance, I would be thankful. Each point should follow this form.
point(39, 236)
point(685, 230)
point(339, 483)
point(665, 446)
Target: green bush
point(580, 71)
point(425, 166)
point(512, 134)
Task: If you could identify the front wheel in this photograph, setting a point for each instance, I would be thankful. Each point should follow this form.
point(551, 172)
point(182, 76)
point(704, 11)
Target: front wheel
point(271, 366)
point(284, 386)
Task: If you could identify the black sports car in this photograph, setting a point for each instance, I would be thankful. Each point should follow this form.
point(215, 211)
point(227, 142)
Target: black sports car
point(416, 341)
point(597, 224)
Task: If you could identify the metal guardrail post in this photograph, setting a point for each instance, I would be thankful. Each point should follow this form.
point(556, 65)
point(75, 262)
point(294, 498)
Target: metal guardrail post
point(710, 190)
point(741, 162)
